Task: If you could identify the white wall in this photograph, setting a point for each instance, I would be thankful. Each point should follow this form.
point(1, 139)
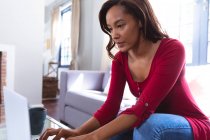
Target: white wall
point(86, 31)
point(98, 44)
point(22, 25)
point(91, 46)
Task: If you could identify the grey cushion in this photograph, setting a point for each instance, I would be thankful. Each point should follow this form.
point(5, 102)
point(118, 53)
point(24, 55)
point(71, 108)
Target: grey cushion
point(87, 101)
point(72, 115)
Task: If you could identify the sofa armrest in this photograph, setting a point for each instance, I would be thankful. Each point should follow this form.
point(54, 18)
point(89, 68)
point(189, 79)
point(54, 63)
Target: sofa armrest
point(62, 91)
point(78, 80)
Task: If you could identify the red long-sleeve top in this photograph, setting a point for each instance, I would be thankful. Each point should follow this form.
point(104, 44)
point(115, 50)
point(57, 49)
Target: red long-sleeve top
point(165, 90)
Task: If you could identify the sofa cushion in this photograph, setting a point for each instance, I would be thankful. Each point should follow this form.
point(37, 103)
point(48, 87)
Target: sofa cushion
point(87, 101)
point(71, 117)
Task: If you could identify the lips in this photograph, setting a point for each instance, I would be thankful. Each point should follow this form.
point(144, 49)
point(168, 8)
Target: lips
point(120, 44)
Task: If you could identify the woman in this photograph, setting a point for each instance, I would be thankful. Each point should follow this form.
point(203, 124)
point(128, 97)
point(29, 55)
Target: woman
point(154, 67)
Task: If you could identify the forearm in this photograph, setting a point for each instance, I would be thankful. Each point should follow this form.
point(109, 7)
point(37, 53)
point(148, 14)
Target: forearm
point(89, 126)
point(121, 123)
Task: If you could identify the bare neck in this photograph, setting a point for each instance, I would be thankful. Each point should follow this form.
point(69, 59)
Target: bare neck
point(145, 49)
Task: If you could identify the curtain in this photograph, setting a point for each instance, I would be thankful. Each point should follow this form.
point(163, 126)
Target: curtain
point(75, 26)
point(55, 35)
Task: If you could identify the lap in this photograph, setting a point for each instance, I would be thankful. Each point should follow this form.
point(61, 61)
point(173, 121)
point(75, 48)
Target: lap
point(159, 127)
point(164, 127)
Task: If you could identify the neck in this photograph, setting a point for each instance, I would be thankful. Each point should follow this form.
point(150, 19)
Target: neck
point(144, 49)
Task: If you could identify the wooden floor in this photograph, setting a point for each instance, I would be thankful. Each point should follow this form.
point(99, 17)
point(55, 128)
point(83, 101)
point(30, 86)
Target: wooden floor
point(51, 105)
point(52, 108)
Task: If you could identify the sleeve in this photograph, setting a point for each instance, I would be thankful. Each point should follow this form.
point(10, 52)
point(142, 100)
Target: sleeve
point(109, 110)
point(167, 70)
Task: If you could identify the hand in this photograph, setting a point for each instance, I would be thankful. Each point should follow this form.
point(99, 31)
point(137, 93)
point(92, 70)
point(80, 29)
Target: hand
point(59, 133)
point(89, 136)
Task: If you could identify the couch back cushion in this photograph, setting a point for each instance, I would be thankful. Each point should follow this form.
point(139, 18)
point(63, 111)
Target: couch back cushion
point(81, 79)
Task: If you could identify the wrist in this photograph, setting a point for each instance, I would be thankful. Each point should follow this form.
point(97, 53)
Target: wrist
point(94, 135)
point(76, 132)
point(99, 135)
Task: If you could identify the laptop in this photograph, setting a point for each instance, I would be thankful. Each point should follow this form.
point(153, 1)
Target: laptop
point(17, 116)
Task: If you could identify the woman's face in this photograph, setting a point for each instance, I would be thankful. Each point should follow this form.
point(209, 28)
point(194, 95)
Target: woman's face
point(124, 28)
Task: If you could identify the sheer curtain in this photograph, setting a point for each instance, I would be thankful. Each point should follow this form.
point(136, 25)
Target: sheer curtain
point(55, 35)
point(75, 27)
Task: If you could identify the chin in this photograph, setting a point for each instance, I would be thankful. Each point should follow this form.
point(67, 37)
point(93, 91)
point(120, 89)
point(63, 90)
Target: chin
point(123, 50)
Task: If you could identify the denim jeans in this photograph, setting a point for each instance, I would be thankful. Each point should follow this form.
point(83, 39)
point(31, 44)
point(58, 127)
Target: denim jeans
point(159, 127)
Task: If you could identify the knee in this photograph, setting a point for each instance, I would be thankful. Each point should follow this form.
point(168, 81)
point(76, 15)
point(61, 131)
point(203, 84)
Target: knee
point(148, 130)
point(159, 126)
point(147, 133)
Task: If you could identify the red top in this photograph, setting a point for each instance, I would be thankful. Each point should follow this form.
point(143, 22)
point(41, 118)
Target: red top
point(165, 90)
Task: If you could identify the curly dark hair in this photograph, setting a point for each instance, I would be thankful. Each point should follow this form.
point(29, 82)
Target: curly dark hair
point(140, 10)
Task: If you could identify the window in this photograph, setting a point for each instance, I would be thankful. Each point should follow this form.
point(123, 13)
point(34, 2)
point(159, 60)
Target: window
point(65, 45)
point(187, 20)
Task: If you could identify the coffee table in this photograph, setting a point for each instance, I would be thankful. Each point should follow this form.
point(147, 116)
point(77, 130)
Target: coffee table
point(49, 123)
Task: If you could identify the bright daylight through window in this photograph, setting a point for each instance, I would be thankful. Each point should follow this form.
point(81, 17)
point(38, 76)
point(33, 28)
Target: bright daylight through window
point(182, 20)
point(65, 48)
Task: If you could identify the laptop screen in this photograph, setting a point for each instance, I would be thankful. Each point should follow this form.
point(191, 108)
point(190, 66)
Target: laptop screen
point(16, 115)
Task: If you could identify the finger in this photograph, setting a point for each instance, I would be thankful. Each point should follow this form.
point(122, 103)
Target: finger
point(49, 132)
point(44, 134)
point(59, 135)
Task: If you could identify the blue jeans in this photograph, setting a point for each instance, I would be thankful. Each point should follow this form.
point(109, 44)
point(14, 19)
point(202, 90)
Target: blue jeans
point(159, 127)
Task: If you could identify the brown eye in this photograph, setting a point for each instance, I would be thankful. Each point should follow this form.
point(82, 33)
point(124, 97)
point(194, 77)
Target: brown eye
point(120, 25)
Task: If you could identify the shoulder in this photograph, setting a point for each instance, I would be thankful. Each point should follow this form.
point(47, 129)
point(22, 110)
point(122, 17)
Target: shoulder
point(120, 57)
point(171, 43)
point(170, 51)
point(119, 60)
point(171, 46)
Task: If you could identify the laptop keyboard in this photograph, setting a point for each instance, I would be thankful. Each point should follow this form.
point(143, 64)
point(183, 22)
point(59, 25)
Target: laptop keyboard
point(50, 138)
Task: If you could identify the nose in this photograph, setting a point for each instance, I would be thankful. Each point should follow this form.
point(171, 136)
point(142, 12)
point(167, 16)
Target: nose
point(115, 34)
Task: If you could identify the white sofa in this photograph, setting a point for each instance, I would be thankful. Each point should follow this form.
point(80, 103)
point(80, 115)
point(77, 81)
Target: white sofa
point(81, 94)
